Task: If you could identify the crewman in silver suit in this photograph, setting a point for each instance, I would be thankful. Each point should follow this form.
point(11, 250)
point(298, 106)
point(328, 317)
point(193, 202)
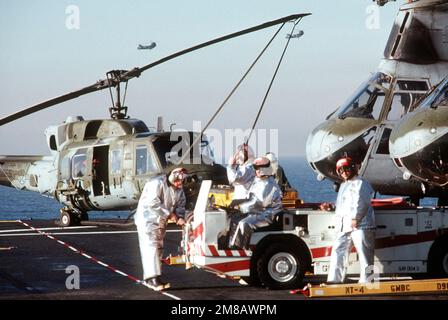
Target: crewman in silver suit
point(240, 172)
point(265, 200)
point(355, 224)
point(162, 198)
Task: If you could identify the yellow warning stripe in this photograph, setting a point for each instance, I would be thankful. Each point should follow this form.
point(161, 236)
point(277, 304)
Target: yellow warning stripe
point(387, 287)
point(8, 221)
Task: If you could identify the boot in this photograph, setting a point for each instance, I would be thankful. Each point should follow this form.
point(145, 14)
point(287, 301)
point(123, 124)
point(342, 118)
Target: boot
point(156, 284)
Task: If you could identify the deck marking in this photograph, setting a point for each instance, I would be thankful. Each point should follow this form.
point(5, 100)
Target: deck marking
point(54, 228)
point(74, 233)
point(138, 281)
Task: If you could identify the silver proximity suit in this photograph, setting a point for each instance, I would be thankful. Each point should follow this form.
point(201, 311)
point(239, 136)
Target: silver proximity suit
point(241, 178)
point(158, 200)
point(353, 202)
point(265, 200)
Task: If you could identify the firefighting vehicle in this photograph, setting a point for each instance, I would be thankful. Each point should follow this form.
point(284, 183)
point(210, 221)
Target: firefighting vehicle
point(409, 240)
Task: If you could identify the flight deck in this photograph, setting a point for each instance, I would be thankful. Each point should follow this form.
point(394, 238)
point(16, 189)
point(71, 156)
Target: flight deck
point(40, 260)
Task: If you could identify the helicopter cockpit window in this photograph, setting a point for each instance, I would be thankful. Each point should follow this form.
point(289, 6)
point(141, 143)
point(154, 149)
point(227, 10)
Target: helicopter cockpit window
point(145, 162)
point(437, 96)
point(79, 166)
point(116, 157)
point(407, 94)
point(367, 100)
point(442, 99)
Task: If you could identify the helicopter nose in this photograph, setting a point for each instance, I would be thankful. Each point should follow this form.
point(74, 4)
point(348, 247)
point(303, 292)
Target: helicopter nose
point(418, 145)
point(335, 139)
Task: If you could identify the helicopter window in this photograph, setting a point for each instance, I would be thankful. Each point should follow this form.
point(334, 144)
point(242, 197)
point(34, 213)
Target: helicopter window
point(140, 126)
point(53, 143)
point(367, 105)
point(442, 99)
point(79, 165)
point(145, 162)
point(400, 106)
point(432, 98)
point(383, 147)
point(402, 103)
point(116, 161)
point(65, 168)
point(412, 85)
point(92, 129)
point(367, 100)
point(141, 159)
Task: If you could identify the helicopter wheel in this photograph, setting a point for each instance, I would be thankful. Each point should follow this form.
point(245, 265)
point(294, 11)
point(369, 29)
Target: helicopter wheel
point(68, 218)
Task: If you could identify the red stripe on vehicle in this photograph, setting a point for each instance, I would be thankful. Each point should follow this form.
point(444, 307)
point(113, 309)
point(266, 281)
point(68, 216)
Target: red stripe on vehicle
point(406, 239)
point(198, 231)
point(242, 253)
point(228, 253)
point(213, 251)
point(321, 252)
point(230, 266)
point(388, 242)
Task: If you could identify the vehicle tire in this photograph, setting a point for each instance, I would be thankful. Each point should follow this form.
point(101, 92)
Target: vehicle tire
point(438, 259)
point(281, 266)
point(68, 218)
point(65, 219)
point(253, 280)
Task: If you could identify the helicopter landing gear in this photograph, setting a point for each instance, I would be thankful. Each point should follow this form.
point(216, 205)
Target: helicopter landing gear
point(70, 217)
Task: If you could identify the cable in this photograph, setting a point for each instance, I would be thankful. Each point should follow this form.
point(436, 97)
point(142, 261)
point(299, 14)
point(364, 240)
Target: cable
point(197, 139)
point(272, 81)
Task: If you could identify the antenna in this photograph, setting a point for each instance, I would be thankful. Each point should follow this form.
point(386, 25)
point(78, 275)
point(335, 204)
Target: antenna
point(159, 124)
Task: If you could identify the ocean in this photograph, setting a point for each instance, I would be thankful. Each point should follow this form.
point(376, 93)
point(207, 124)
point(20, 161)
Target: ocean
point(26, 205)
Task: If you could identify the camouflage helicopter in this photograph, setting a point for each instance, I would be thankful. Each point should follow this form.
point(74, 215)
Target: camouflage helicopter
point(415, 60)
point(419, 142)
point(104, 164)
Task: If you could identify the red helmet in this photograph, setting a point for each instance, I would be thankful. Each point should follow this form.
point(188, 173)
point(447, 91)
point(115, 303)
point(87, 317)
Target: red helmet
point(344, 162)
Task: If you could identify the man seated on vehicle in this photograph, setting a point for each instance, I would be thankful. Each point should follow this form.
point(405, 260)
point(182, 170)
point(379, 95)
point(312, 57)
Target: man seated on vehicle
point(240, 172)
point(279, 173)
point(264, 201)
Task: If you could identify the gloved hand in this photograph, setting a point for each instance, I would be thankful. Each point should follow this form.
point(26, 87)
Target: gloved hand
point(327, 206)
point(173, 217)
point(180, 222)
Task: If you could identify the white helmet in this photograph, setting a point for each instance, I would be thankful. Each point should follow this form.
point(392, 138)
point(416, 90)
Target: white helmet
point(274, 161)
point(177, 174)
point(263, 166)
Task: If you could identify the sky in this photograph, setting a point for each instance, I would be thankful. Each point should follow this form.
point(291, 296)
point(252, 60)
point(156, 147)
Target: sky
point(51, 47)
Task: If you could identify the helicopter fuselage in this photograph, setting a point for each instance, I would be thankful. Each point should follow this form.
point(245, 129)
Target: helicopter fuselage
point(104, 164)
point(415, 60)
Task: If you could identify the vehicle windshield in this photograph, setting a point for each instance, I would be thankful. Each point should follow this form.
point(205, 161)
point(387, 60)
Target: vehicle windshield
point(368, 100)
point(437, 97)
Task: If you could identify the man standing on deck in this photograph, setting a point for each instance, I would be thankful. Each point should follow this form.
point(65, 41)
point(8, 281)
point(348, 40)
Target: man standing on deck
point(355, 223)
point(162, 198)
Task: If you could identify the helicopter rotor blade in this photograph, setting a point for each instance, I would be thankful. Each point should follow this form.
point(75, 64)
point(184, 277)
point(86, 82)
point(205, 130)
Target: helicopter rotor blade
point(51, 102)
point(124, 75)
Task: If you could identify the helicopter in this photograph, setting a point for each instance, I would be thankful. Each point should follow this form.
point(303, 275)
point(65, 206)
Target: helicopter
point(150, 46)
point(415, 60)
point(104, 164)
point(419, 141)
